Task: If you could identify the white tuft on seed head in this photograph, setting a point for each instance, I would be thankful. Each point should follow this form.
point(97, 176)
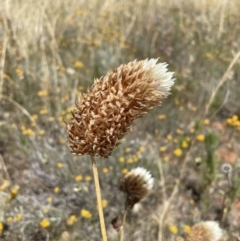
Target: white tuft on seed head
point(160, 73)
point(207, 231)
point(145, 175)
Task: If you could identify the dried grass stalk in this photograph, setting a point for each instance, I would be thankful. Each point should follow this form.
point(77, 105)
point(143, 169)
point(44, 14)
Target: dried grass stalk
point(105, 113)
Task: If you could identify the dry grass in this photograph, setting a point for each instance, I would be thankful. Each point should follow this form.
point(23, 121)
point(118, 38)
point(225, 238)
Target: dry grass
point(50, 51)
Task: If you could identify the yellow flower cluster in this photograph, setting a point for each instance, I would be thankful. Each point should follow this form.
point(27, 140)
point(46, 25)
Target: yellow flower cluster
point(105, 170)
point(86, 214)
point(57, 190)
point(104, 203)
point(71, 220)
point(13, 193)
point(88, 178)
point(178, 152)
point(45, 223)
point(162, 117)
point(200, 137)
point(27, 131)
point(173, 229)
point(187, 229)
point(233, 121)
point(5, 184)
point(78, 178)
point(18, 217)
point(42, 93)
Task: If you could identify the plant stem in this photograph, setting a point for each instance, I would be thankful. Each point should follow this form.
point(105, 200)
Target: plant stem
point(122, 229)
point(99, 199)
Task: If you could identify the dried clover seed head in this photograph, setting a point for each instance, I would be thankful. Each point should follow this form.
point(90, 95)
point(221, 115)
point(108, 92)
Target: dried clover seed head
point(206, 231)
point(106, 112)
point(136, 184)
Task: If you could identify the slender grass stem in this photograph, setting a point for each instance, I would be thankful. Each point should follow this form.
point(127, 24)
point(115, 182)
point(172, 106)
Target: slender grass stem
point(99, 199)
point(123, 223)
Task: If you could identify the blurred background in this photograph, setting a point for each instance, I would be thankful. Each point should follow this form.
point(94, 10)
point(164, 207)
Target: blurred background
point(51, 51)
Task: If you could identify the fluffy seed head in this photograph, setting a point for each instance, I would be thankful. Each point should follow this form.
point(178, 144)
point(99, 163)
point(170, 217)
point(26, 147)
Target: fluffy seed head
point(105, 113)
point(206, 231)
point(136, 184)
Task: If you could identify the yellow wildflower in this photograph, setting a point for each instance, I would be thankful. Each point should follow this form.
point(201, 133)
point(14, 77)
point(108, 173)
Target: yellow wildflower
point(229, 121)
point(125, 170)
point(42, 93)
point(184, 144)
point(45, 223)
point(162, 117)
point(178, 152)
point(200, 137)
point(130, 160)
point(59, 165)
point(208, 55)
point(166, 158)
point(56, 190)
point(9, 220)
point(135, 158)
point(236, 123)
point(141, 149)
point(78, 65)
point(85, 213)
point(18, 217)
point(88, 178)
point(173, 229)
point(187, 229)
point(206, 122)
point(192, 130)
point(5, 185)
point(191, 201)
point(50, 119)
point(121, 159)
point(179, 131)
point(162, 149)
point(41, 132)
point(78, 178)
point(169, 137)
point(19, 72)
point(49, 199)
point(23, 128)
point(28, 132)
point(194, 108)
point(71, 220)
point(34, 117)
point(13, 193)
point(45, 210)
point(105, 170)
point(128, 149)
point(234, 117)
point(43, 111)
point(104, 203)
